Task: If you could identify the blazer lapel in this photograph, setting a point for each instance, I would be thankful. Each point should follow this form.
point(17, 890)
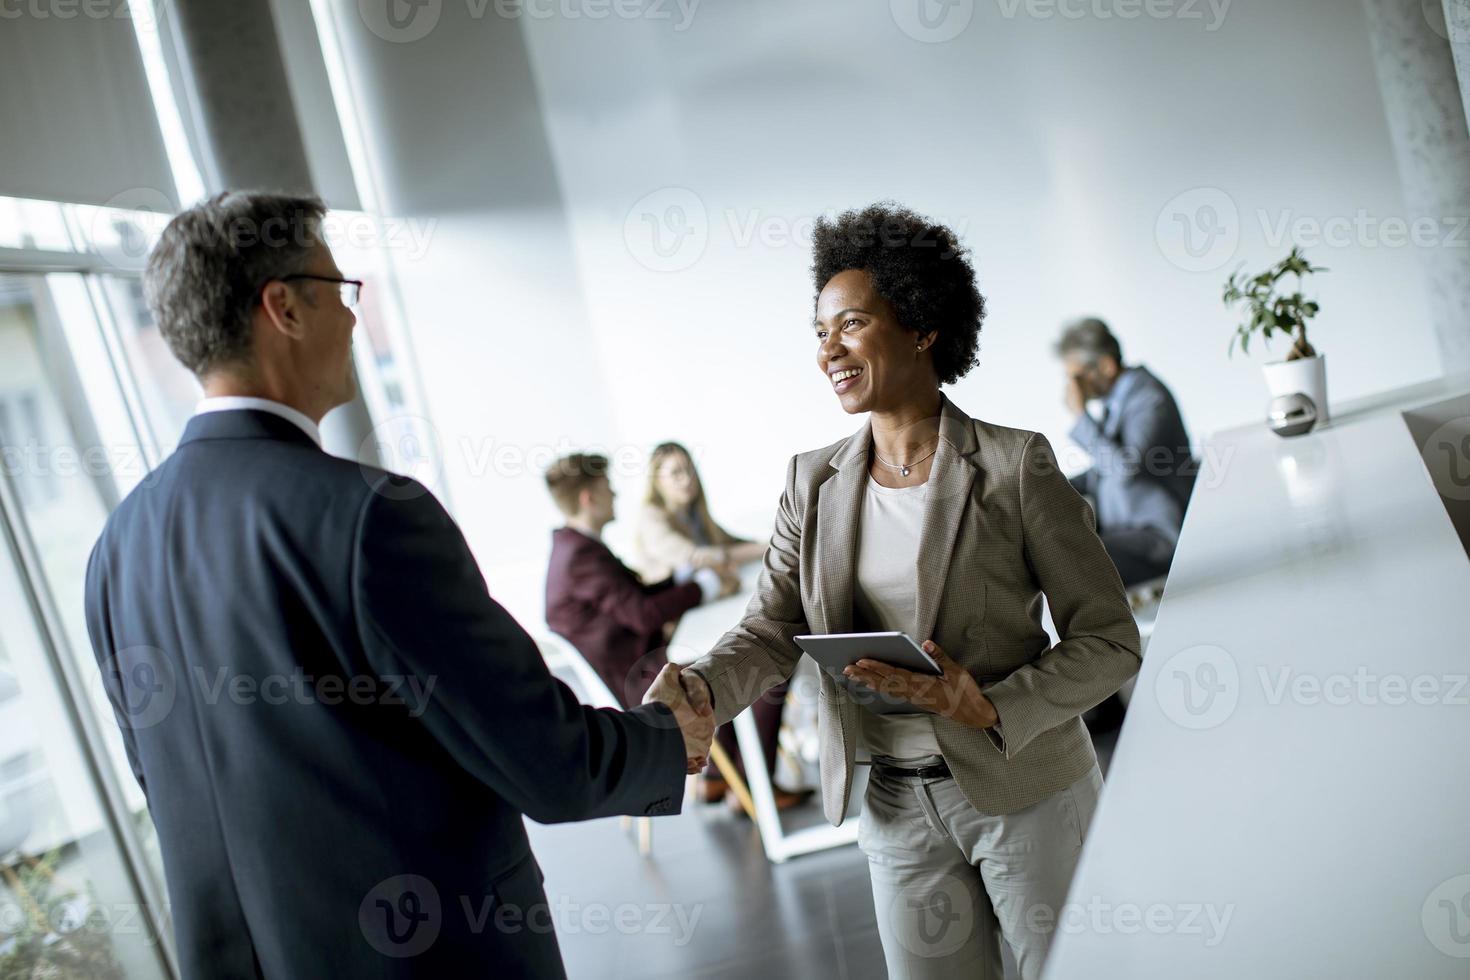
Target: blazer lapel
point(951, 480)
point(839, 509)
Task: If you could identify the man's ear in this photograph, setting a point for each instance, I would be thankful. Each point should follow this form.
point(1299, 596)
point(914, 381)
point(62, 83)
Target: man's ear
point(282, 308)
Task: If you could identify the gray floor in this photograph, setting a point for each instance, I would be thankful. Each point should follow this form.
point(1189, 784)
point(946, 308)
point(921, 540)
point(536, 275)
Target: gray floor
point(707, 903)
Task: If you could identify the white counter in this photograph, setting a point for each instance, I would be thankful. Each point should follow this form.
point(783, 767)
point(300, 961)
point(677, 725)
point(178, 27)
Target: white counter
point(1290, 794)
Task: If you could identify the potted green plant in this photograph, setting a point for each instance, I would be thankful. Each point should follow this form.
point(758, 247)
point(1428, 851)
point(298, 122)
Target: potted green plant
point(1269, 309)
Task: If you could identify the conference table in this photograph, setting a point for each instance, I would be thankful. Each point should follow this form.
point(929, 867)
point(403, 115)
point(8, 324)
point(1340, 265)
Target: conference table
point(700, 629)
point(1290, 792)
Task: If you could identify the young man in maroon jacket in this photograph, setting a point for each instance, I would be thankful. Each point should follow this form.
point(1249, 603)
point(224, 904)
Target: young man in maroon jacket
point(599, 604)
point(619, 624)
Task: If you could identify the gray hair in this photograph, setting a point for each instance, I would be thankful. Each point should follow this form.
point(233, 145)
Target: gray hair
point(1090, 338)
point(205, 274)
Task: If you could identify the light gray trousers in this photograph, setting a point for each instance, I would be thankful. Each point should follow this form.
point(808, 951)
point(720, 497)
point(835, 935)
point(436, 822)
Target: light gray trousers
point(950, 883)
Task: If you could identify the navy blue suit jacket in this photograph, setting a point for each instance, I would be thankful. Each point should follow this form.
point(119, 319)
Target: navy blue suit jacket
point(337, 729)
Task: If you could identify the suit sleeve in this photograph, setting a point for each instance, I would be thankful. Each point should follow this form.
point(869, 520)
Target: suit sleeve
point(423, 611)
point(1145, 423)
point(614, 591)
point(1099, 645)
point(102, 650)
point(759, 652)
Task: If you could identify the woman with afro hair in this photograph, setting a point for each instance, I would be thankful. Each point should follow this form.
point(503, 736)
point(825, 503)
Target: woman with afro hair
point(950, 529)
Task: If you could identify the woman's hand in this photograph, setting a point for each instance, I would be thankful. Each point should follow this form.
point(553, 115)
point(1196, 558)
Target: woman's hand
point(954, 694)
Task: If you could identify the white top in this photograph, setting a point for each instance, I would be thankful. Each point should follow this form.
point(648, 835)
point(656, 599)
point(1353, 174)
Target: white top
point(884, 599)
point(230, 403)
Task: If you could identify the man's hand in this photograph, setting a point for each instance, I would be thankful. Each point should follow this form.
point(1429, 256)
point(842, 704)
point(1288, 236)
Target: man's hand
point(954, 694)
point(1076, 398)
point(696, 720)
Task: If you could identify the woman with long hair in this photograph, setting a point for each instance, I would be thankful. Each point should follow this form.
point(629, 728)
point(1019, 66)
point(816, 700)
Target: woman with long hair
point(675, 530)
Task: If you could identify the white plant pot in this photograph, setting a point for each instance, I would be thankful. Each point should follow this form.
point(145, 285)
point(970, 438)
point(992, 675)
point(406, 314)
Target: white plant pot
point(1307, 375)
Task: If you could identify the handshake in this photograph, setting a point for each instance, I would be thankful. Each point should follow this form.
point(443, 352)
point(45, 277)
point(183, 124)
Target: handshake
point(688, 697)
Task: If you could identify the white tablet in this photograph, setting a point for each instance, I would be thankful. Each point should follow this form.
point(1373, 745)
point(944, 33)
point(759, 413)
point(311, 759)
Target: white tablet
point(834, 651)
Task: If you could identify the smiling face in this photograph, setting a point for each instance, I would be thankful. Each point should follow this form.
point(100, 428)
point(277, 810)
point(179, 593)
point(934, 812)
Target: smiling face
point(872, 362)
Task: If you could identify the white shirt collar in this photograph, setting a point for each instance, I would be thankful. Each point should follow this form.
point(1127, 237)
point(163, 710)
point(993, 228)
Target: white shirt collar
point(230, 403)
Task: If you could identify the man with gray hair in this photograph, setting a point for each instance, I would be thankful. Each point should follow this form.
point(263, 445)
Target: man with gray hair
point(1142, 470)
point(337, 729)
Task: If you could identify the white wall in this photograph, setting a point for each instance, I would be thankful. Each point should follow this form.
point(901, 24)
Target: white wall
point(1054, 144)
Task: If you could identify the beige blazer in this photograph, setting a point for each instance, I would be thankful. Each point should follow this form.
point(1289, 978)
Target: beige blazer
point(1003, 526)
point(662, 542)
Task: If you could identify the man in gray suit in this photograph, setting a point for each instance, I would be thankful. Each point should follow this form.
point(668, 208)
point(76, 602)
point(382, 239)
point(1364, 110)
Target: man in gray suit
point(1142, 471)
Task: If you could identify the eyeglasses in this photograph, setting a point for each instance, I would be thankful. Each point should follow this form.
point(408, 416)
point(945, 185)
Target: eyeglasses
point(351, 289)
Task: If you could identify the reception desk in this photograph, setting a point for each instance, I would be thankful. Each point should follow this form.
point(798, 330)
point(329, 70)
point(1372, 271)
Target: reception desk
point(1290, 793)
